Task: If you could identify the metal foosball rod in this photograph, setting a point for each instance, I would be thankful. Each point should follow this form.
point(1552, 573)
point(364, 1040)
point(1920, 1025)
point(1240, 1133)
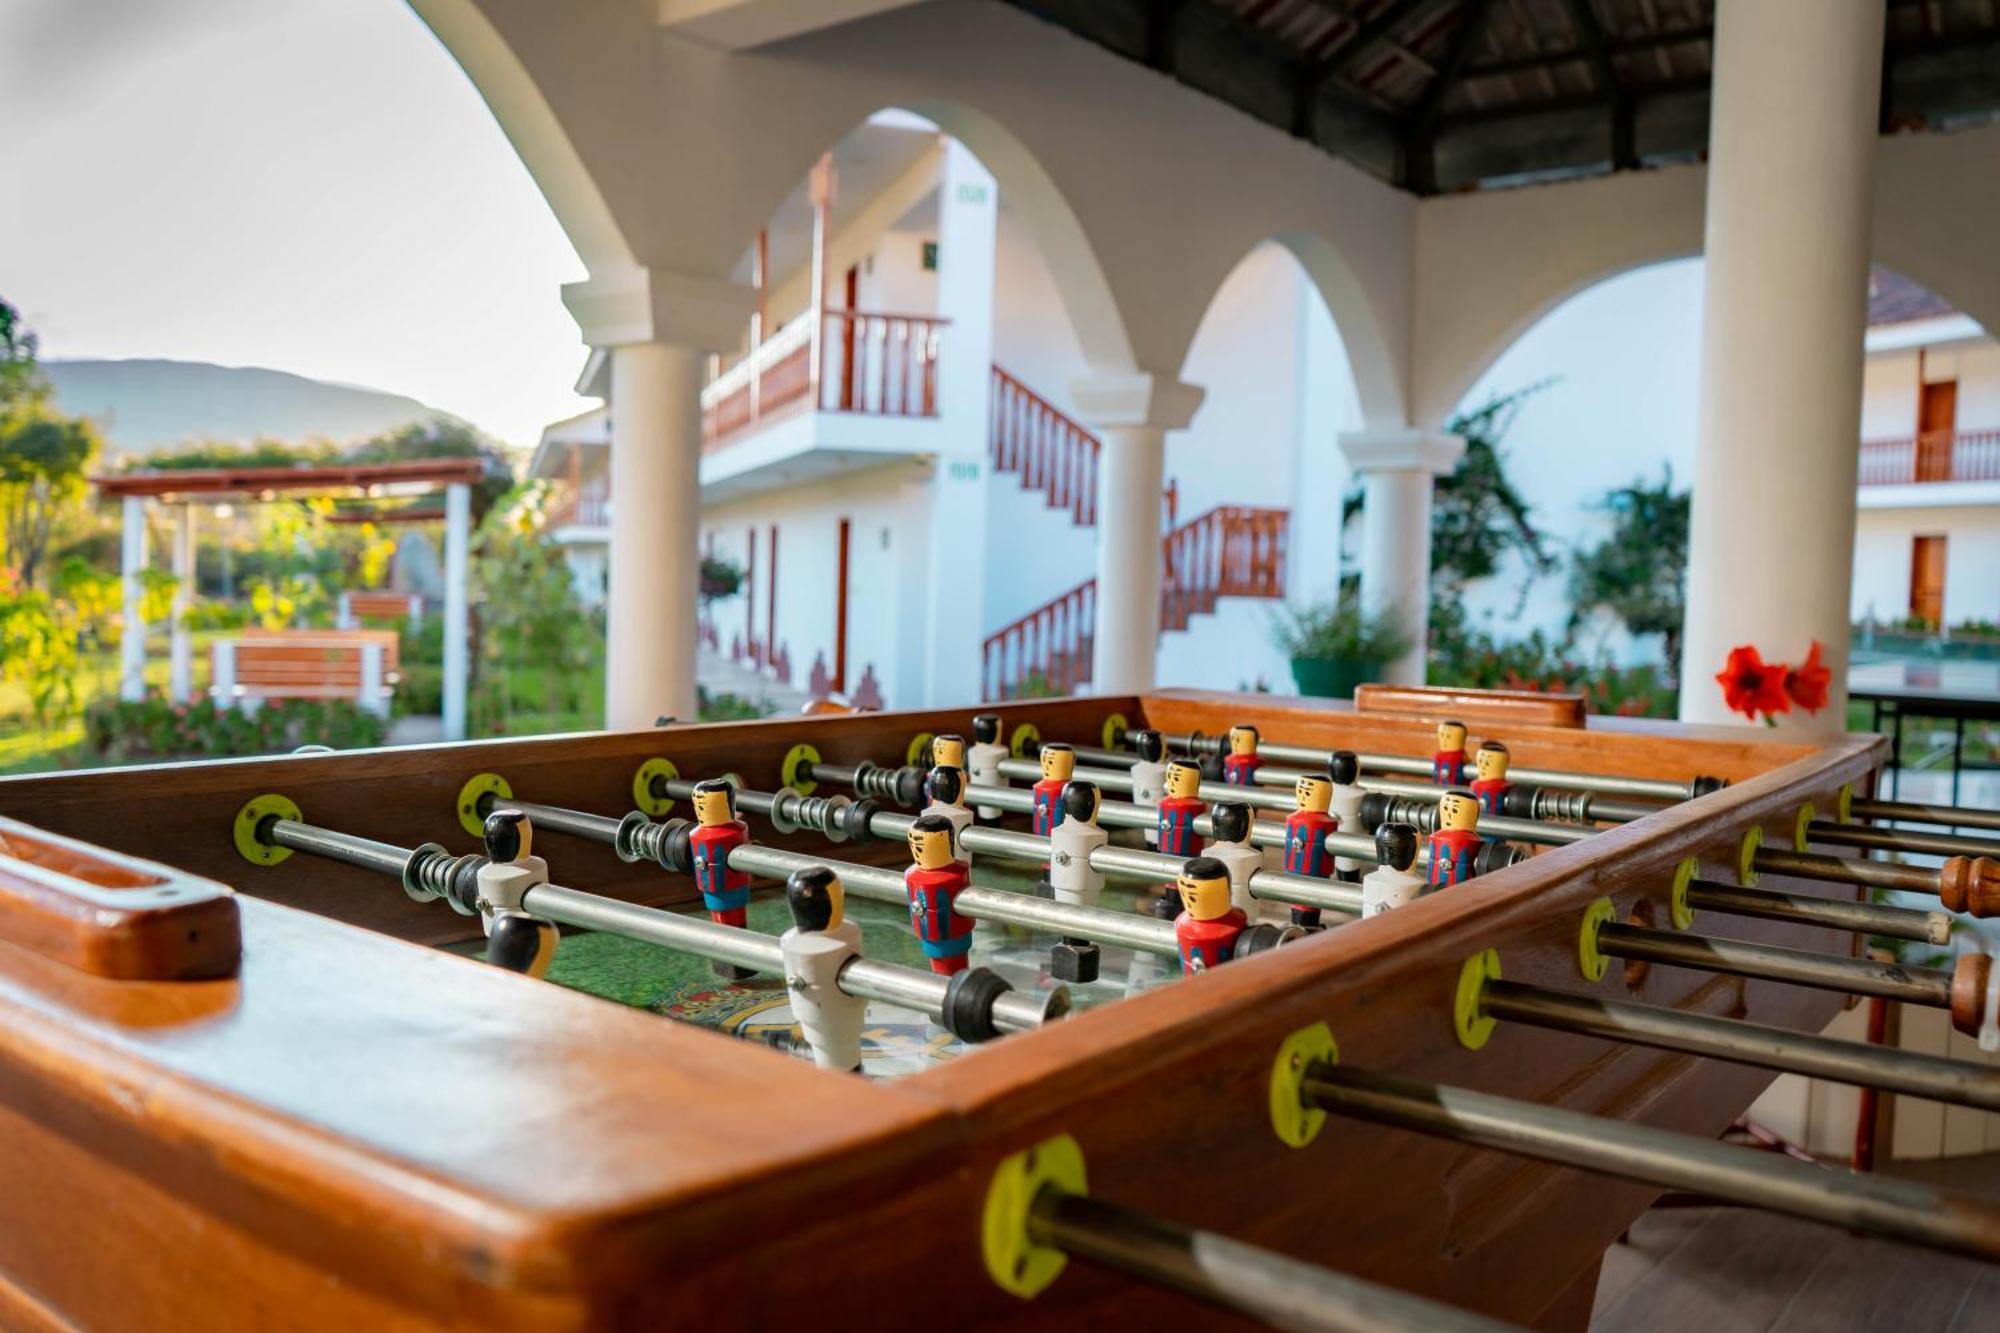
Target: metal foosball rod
point(1402, 806)
point(638, 838)
point(1930, 986)
point(430, 872)
point(1960, 1082)
point(1039, 1214)
point(1900, 1209)
point(1654, 789)
point(1902, 923)
point(1962, 884)
point(1922, 812)
point(790, 811)
point(1900, 840)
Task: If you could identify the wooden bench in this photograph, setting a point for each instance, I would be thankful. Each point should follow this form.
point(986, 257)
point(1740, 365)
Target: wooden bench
point(381, 604)
point(357, 664)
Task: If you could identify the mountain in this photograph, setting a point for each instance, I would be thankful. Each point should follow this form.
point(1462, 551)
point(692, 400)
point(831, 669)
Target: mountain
point(146, 405)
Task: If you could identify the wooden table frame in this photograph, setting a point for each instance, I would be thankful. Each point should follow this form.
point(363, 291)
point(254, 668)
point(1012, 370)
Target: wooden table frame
point(356, 1128)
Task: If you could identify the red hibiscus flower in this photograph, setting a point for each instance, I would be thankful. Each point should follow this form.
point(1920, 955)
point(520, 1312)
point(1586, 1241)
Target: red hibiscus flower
point(1807, 685)
point(1750, 686)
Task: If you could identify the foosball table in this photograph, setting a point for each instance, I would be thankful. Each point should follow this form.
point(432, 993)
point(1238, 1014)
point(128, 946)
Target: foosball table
point(1178, 1007)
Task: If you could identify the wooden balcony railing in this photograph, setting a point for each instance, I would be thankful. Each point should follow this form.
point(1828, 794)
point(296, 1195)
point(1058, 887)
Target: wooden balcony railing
point(1964, 455)
point(589, 508)
point(1052, 452)
point(870, 362)
point(1230, 551)
point(1045, 652)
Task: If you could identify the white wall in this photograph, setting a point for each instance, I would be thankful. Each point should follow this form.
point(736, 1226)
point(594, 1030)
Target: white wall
point(1889, 396)
point(883, 540)
point(1882, 544)
point(893, 277)
point(1623, 358)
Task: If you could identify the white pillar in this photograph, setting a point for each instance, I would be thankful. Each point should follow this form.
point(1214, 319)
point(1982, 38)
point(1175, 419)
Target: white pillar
point(655, 512)
point(954, 595)
point(457, 525)
point(1785, 293)
point(181, 651)
point(1131, 415)
point(1398, 468)
point(132, 635)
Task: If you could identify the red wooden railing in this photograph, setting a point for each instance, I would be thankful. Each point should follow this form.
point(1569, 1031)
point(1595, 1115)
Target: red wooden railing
point(1965, 455)
point(589, 507)
point(870, 361)
point(1050, 450)
point(1230, 551)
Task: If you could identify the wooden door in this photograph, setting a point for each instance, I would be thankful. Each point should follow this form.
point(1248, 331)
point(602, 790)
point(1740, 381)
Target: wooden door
point(847, 376)
point(1937, 420)
point(1927, 579)
point(840, 611)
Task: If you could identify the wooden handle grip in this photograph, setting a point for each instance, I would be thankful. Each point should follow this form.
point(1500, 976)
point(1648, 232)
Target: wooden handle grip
point(112, 915)
point(1477, 707)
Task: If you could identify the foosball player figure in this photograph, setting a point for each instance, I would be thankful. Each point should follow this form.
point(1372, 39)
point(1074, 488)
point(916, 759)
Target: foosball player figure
point(948, 751)
point(1491, 786)
point(1229, 843)
point(1179, 808)
point(1207, 927)
point(945, 786)
point(818, 945)
point(935, 878)
point(1456, 843)
point(1394, 882)
point(1149, 775)
point(982, 758)
point(1058, 763)
point(1344, 766)
point(514, 940)
point(1240, 765)
point(724, 892)
point(1072, 879)
point(1448, 763)
point(1305, 836)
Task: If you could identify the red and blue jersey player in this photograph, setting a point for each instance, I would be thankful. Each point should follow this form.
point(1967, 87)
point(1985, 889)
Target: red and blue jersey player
point(1491, 786)
point(1456, 843)
point(1240, 764)
point(1448, 762)
point(1305, 836)
point(932, 882)
point(1208, 927)
point(1058, 763)
point(1179, 808)
point(725, 892)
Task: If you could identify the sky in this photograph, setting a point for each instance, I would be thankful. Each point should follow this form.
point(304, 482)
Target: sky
point(308, 185)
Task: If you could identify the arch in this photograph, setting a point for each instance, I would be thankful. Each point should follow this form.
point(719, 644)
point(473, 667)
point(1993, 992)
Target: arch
point(1378, 384)
point(531, 125)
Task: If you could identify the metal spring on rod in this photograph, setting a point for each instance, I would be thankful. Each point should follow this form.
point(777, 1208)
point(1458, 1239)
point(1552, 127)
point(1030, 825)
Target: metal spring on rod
point(640, 839)
point(1561, 806)
point(874, 780)
point(791, 812)
point(432, 872)
point(1419, 814)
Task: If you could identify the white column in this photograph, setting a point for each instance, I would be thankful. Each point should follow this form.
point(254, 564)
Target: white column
point(1785, 291)
point(954, 595)
point(182, 640)
point(1398, 469)
point(655, 512)
point(457, 525)
point(132, 636)
point(1131, 415)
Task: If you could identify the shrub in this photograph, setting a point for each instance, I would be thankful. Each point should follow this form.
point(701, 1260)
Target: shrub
point(153, 728)
point(726, 707)
point(1339, 631)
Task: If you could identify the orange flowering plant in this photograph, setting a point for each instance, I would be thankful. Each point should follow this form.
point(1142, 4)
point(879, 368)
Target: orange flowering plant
point(1756, 688)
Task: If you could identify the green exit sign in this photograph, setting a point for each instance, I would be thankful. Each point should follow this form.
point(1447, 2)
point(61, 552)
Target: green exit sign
point(971, 194)
point(930, 256)
point(964, 471)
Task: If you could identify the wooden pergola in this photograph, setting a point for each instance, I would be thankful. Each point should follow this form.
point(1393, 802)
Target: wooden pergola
point(187, 488)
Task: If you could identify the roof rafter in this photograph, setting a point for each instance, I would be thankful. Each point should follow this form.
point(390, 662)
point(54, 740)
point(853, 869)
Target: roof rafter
point(1419, 142)
point(1590, 36)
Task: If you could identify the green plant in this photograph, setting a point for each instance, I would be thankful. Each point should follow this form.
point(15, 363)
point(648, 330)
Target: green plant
point(1639, 571)
point(1035, 685)
point(1339, 631)
point(727, 707)
point(152, 728)
point(528, 613)
point(38, 648)
point(719, 578)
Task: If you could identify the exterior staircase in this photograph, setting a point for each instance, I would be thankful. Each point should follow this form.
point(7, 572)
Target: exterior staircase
point(1230, 551)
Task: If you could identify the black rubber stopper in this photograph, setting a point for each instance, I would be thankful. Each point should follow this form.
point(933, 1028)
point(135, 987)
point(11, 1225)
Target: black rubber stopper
point(1374, 809)
point(909, 787)
point(1074, 960)
point(968, 1003)
point(1493, 856)
point(1257, 939)
point(1703, 786)
point(855, 818)
point(1306, 918)
point(1519, 802)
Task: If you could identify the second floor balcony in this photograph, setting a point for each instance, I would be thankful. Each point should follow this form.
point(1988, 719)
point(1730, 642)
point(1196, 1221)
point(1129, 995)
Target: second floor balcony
point(1932, 457)
point(869, 363)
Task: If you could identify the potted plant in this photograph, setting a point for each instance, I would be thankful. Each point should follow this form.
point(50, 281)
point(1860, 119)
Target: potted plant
point(1335, 646)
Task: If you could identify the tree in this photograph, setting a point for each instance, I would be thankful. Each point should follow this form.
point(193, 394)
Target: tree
point(1639, 571)
point(43, 459)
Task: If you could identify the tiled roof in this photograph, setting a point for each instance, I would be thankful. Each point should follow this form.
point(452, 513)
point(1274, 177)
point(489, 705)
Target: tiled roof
point(1894, 299)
